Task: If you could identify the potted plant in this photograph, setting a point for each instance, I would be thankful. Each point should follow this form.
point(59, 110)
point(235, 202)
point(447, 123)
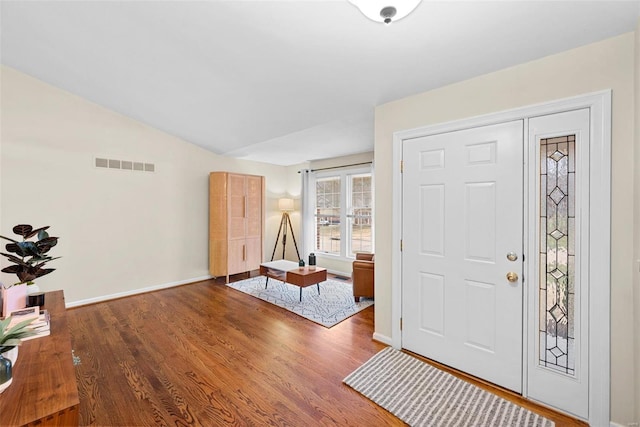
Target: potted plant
point(10, 338)
point(29, 257)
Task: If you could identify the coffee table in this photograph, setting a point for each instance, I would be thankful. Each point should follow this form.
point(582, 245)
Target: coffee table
point(290, 272)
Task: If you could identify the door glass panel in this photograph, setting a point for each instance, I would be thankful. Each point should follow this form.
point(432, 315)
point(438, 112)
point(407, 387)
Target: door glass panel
point(557, 254)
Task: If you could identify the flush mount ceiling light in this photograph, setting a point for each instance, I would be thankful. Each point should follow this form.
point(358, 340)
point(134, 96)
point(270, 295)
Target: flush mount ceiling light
point(386, 11)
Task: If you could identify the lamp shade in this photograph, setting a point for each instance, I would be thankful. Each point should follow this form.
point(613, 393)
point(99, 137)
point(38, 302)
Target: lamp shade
point(285, 204)
point(386, 11)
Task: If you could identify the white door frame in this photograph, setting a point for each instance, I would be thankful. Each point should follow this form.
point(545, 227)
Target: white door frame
point(599, 261)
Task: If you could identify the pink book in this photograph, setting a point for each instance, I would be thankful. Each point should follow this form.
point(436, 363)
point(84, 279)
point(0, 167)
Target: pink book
point(13, 298)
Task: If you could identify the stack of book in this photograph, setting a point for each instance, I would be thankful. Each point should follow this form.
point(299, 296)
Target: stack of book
point(41, 322)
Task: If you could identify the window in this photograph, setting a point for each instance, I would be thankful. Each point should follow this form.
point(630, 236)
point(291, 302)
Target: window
point(328, 198)
point(343, 212)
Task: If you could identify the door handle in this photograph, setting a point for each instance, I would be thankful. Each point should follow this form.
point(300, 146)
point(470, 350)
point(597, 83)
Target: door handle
point(512, 276)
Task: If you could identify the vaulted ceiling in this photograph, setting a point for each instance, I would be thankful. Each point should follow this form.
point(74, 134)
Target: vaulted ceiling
point(282, 81)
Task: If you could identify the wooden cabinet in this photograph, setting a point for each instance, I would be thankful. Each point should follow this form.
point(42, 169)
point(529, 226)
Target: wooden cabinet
point(236, 223)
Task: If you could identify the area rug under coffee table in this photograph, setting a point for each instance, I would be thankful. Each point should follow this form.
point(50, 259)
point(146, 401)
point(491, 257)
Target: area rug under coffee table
point(334, 304)
point(422, 395)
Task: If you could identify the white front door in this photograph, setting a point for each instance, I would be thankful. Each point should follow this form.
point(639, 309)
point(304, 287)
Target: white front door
point(462, 236)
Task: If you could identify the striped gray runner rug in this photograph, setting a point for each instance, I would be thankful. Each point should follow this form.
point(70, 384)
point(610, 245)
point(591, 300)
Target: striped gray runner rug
point(422, 395)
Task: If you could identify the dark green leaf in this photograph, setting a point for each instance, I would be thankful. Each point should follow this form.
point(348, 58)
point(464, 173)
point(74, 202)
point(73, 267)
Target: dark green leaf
point(13, 247)
point(22, 229)
point(41, 272)
point(47, 243)
point(25, 276)
point(42, 234)
point(14, 258)
point(44, 261)
point(34, 232)
point(13, 269)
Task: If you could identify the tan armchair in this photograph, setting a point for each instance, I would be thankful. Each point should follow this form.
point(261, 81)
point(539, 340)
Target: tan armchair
point(362, 276)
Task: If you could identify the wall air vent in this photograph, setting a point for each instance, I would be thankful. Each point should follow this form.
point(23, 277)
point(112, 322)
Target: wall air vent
point(128, 165)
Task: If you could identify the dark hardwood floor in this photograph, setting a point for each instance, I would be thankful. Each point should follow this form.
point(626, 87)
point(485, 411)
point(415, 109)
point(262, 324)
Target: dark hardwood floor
point(205, 354)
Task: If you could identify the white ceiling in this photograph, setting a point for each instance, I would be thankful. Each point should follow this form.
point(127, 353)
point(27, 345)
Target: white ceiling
point(282, 81)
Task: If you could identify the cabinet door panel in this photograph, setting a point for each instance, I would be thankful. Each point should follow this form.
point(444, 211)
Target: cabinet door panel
point(237, 255)
point(237, 206)
point(254, 206)
point(218, 257)
point(218, 227)
point(254, 253)
point(236, 184)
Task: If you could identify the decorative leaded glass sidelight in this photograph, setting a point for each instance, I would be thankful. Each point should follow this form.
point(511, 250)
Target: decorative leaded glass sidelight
point(557, 254)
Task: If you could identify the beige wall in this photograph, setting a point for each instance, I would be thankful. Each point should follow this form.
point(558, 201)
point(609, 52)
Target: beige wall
point(605, 65)
point(292, 191)
point(119, 230)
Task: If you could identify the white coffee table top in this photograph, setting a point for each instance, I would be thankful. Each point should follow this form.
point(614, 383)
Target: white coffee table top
point(282, 265)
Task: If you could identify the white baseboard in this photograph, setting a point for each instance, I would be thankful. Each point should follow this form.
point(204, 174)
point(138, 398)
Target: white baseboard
point(382, 338)
point(135, 292)
point(612, 424)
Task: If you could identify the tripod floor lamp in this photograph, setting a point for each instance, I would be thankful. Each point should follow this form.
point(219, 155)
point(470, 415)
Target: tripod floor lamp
point(285, 205)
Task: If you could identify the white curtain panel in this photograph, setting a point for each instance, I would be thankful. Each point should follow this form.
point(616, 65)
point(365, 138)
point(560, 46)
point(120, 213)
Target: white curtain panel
point(307, 220)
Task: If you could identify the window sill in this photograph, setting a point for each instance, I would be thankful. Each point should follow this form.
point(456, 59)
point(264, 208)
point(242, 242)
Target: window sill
point(334, 257)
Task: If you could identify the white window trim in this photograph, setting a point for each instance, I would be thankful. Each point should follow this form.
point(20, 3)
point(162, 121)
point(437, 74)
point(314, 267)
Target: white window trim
point(309, 219)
